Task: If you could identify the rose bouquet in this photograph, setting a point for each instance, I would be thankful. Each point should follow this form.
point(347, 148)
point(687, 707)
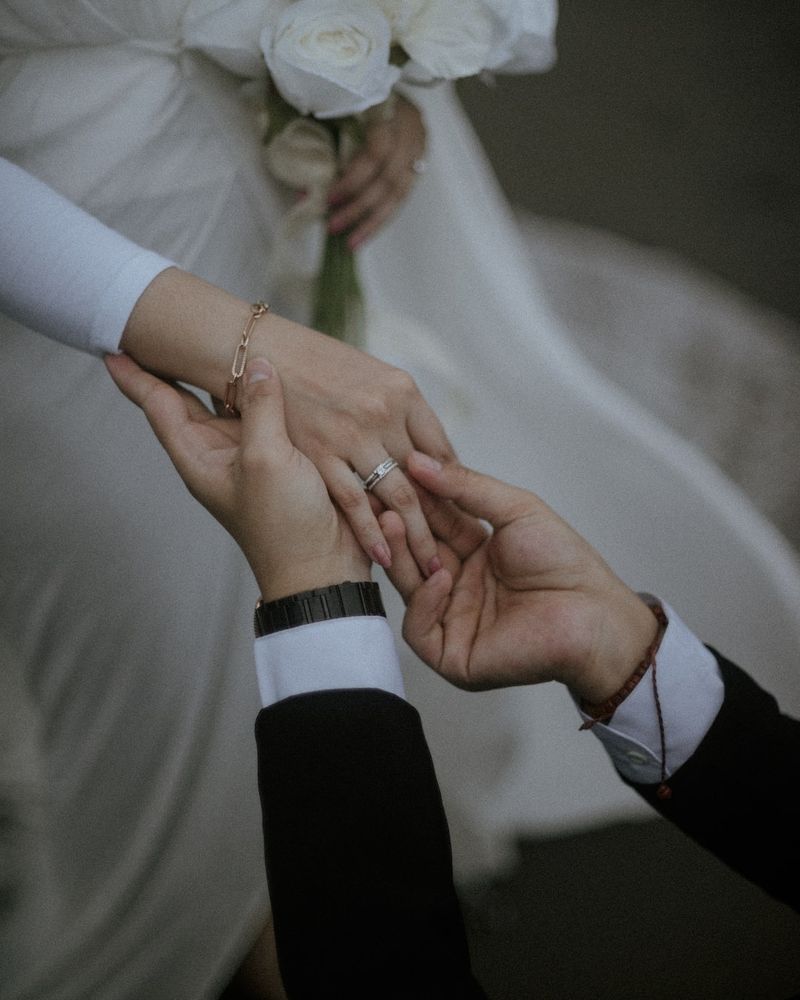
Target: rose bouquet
point(334, 63)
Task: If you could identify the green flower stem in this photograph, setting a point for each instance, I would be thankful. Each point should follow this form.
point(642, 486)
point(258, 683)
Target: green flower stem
point(338, 302)
point(338, 307)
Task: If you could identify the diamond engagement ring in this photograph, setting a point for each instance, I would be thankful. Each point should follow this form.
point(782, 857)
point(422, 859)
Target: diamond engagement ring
point(419, 166)
point(378, 473)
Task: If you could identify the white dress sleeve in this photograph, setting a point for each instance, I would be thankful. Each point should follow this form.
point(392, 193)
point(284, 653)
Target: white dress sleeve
point(62, 272)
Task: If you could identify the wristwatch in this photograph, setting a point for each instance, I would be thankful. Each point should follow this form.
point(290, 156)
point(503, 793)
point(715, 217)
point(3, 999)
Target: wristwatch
point(340, 600)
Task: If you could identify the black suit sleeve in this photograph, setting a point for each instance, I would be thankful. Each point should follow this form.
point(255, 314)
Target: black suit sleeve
point(738, 793)
point(358, 851)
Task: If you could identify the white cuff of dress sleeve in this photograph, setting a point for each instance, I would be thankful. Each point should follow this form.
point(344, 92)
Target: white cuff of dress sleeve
point(63, 272)
point(691, 692)
point(120, 296)
point(323, 656)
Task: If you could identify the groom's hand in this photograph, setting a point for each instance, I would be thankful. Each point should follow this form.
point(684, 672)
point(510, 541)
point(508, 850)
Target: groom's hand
point(251, 478)
point(532, 602)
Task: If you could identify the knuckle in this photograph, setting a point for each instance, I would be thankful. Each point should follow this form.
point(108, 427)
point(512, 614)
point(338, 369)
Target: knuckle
point(351, 499)
point(156, 395)
point(253, 461)
point(403, 498)
point(376, 410)
point(403, 384)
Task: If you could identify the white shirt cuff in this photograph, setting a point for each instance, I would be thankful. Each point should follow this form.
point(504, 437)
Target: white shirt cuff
point(691, 692)
point(323, 656)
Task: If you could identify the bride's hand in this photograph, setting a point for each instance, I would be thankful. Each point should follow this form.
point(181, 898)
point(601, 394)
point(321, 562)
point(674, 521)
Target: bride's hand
point(379, 176)
point(345, 410)
point(349, 412)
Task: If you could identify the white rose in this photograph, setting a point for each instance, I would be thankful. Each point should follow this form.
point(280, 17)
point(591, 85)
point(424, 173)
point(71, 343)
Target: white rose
point(330, 59)
point(398, 14)
point(445, 39)
point(302, 155)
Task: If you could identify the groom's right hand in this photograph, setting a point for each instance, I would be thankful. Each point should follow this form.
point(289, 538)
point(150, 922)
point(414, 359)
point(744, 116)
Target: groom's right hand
point(532, 602)
point(252, 479)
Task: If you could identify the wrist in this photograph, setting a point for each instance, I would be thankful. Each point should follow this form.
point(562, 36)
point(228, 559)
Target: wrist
point(348, 599)
point(626, 629)
point(301, 577)
point(184, 328)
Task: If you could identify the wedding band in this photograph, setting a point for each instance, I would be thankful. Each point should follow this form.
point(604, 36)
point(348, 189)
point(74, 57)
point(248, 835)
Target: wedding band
point(419, 166)
point(378, 473)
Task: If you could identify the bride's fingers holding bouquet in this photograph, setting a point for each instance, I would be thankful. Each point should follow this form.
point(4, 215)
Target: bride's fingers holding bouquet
point(380, 175)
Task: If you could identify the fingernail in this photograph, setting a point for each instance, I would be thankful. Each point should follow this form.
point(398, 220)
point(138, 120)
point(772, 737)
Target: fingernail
point(335, 227)
point(381, 554)
point(426, 462)
point(335, 199)
point(434, 565)
point(259, 370)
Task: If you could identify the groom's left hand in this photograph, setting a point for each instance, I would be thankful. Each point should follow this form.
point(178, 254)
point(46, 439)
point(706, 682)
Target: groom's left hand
point(531, 602)
point(251, 478)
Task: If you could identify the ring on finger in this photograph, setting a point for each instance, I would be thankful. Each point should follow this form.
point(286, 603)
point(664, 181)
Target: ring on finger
point(379, 473)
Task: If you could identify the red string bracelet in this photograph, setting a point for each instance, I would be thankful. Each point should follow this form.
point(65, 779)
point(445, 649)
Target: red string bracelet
point(605, 710)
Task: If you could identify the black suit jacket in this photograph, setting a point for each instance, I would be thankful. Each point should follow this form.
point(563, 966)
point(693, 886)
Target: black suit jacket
point(739, 793)
point(358, 851)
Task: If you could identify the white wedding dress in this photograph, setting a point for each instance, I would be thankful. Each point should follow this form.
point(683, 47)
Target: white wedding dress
point(127, 683)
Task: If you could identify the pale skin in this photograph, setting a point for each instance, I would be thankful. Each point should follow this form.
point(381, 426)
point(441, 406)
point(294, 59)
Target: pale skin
point(345, 410)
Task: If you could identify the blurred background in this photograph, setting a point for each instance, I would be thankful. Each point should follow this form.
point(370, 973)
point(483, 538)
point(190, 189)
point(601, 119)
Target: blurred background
point(656, 173)
point(671, 131)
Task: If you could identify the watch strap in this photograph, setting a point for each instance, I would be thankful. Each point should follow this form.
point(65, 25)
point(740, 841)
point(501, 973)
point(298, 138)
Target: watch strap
point(340, 600)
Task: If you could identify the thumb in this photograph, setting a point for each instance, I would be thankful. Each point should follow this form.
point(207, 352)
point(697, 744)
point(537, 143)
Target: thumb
point(423, 625)
point(483, 496)
point(263, 417)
